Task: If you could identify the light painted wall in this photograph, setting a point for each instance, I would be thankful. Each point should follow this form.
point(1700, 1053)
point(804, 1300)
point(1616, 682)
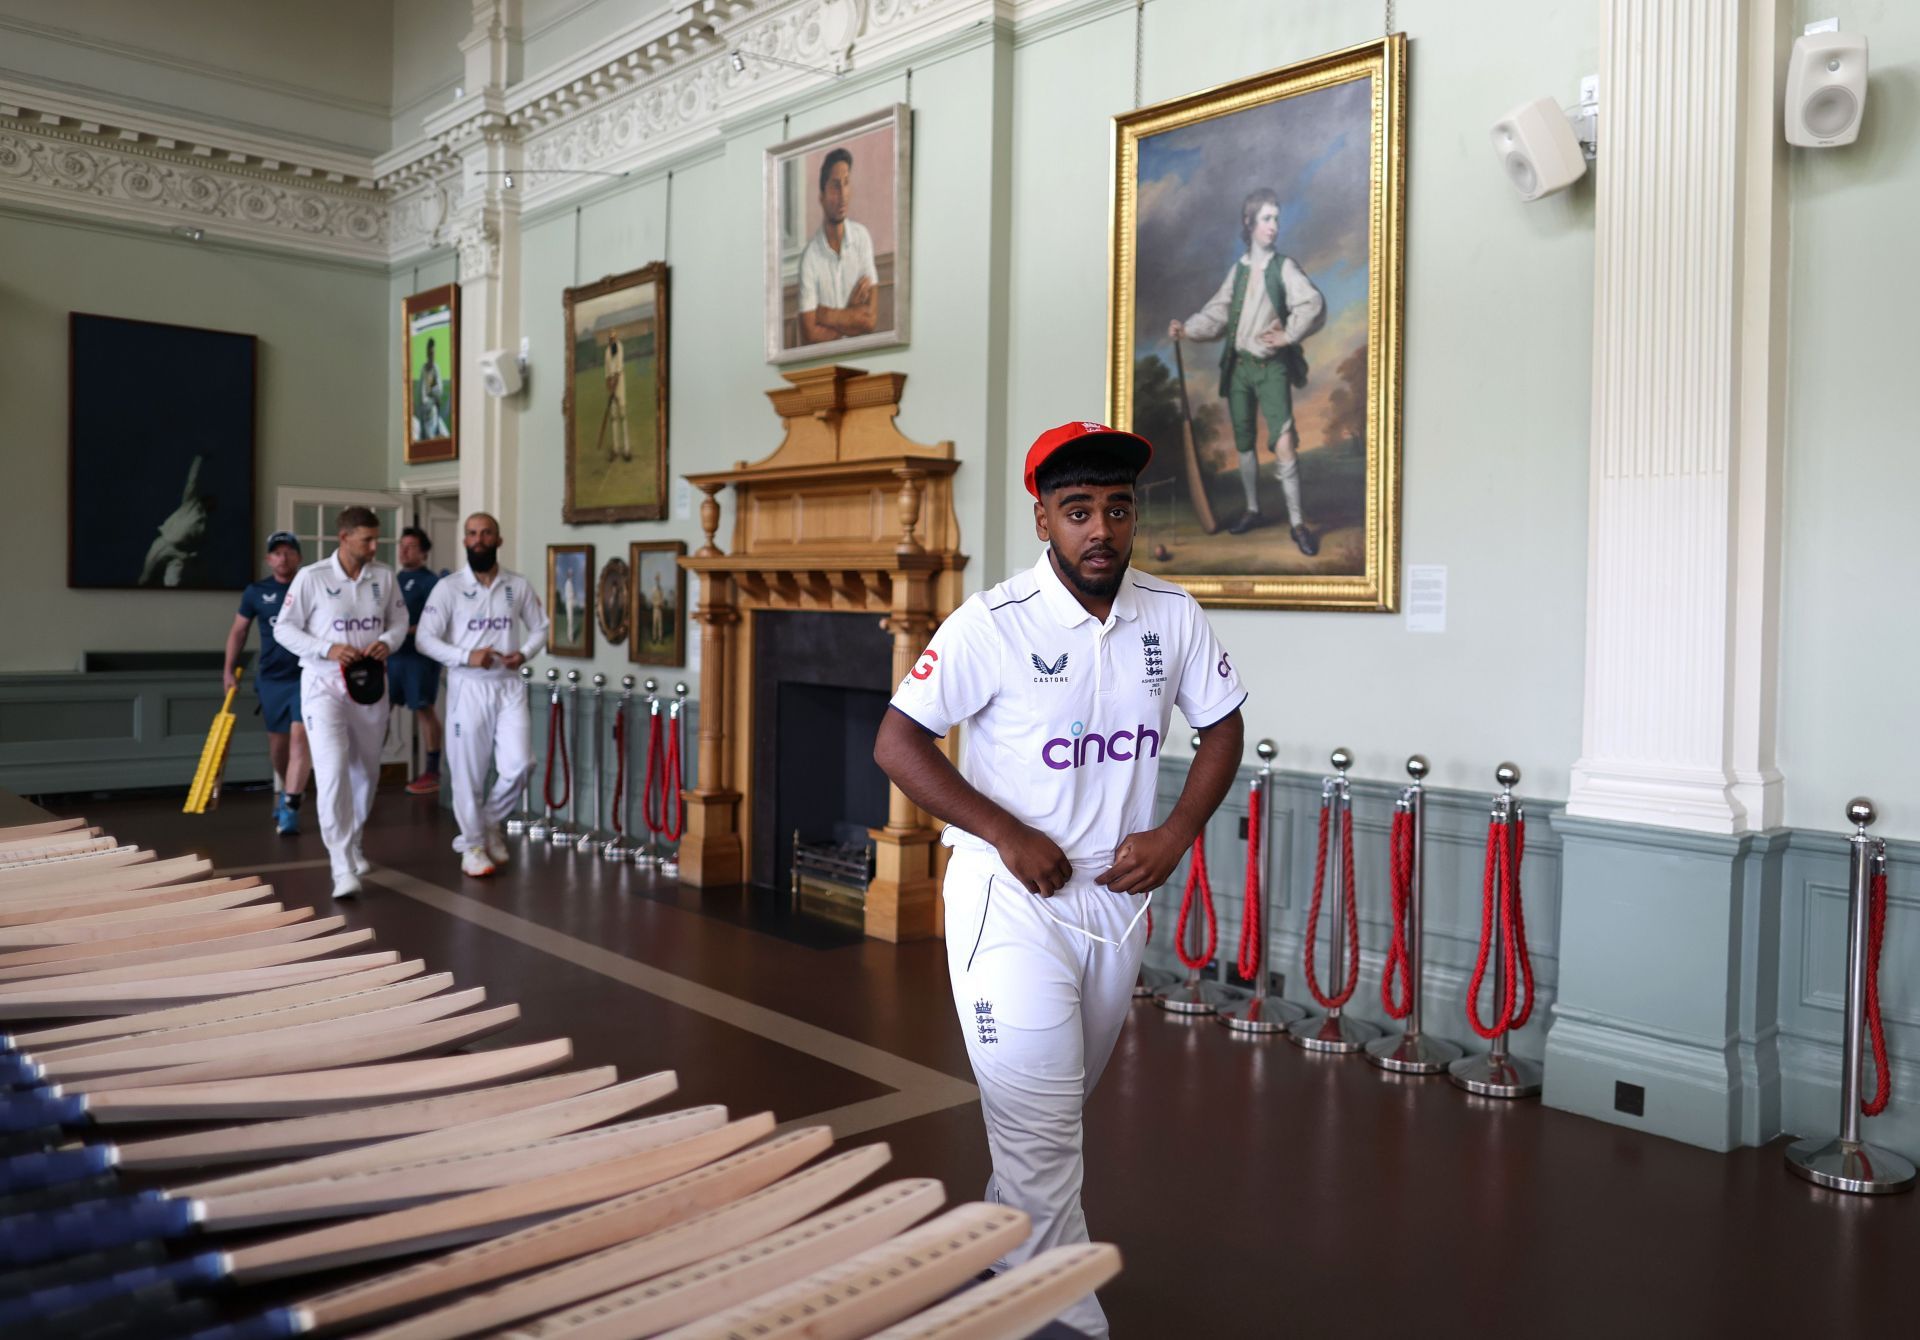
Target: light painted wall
point(323, 409)
point(321, 74)
point(1498, 358)
point(1849, 712)
point(427, 64)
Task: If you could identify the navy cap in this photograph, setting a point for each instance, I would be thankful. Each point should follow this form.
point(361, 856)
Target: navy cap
point(280, 537)
point(366, 680)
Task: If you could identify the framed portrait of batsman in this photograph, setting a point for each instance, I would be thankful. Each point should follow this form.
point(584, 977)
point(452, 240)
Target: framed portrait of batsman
point(837, 221)
point(1254, 330)
point(430, 361)
point(615, 398)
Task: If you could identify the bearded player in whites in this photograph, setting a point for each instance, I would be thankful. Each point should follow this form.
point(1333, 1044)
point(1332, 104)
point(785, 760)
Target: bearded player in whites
point(335, 613)
point(1065, 676)
point(468, 627)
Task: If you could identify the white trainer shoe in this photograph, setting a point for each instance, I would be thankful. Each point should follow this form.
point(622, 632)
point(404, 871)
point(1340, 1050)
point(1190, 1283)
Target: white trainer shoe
point(346, 886)
point(358, 860)
point(476, 863)
point(497, 847)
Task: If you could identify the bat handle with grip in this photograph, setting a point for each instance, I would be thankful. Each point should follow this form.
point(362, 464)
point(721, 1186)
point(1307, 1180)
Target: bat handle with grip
point(29, 1239)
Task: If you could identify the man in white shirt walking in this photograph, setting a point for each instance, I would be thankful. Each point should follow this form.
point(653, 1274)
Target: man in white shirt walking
point(1266, 306)
point(839, 284)
point(336, 613)
point(468, 627)
point(1066, 676)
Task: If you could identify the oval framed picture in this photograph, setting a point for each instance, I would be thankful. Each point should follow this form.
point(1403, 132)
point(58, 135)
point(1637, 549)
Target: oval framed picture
point(612, 600)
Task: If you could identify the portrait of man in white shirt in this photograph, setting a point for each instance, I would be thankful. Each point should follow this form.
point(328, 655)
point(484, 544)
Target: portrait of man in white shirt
point(839, 283)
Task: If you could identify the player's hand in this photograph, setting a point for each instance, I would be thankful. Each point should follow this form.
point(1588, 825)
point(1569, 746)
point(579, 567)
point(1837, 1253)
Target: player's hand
point(379, 651)
point(481, 658)
point(1143, 861)
point(1176, 330)
point(342, 653)
point(513, 660)
point(227, 681)
point(861, 292)
point(1034, 859)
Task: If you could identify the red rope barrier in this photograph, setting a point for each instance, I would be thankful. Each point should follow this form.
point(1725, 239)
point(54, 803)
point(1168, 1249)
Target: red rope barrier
point(1396, 986)
point(619, 765)
point(655, 821)
point(1352, 917)
point(1506, 846)
point(1876, 935)
point(1489, 878)
point(673, 799)
point(1196, 879)
point(1520, 958)
point(1252, 941)
point(554, 733)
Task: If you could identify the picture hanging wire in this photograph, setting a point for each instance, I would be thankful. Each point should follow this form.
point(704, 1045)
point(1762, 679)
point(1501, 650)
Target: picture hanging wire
point(666, 229)
point(1139, 51)
point(1389, 32)
point(908, 99)
point(786, 119)
point(576, 246)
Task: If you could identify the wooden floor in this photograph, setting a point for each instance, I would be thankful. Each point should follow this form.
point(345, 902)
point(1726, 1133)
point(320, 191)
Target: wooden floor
point(1255, 1190)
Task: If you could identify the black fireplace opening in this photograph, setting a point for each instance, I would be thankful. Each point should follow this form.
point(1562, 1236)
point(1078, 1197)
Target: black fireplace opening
point(821, 686)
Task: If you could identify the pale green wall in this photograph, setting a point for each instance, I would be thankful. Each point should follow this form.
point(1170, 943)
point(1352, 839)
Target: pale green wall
point(322, 408)
point(1849, 711)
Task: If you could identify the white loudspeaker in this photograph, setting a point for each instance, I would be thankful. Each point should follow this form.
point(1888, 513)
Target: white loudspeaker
point(1538, 149)
point(500, 372)
point(1826, 89)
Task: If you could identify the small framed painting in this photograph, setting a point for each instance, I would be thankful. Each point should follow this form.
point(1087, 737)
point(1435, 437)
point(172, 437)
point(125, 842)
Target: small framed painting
point(429, 363)
point(612, 600)
point(659, 605)
point(615, 398)
point(570, 599)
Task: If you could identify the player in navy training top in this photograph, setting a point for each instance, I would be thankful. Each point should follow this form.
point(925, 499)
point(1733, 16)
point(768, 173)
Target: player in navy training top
point(276, 679)
point(413, 677)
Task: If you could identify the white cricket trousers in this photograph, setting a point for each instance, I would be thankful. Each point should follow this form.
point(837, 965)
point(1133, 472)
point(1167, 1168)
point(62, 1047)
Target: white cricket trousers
point(1041, 1006)
point(486, 727)
point(344, 739)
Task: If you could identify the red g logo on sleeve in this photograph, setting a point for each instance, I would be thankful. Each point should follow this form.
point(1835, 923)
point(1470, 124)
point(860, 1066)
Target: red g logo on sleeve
point(924, 670)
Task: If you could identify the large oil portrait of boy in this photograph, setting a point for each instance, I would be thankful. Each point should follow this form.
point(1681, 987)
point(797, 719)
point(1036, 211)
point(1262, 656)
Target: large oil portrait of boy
point(1254, 330)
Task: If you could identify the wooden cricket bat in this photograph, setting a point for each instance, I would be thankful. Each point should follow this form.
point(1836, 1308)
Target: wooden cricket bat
point(249, 921)
point(1014, 1305)
point(124, 906)
point(79, 830)
point(16, 858)
point(1190, 450)
point(102, 929)
point(614, 1244)
point(138, 996)
point(188, 900)
point(275, 928)
point(27, 832)
point(123, 860)
point(74, 884)
point(267, 956)
point(740, 1275)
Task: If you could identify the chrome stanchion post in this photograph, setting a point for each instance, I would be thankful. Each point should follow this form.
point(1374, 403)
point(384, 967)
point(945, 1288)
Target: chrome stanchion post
point(517, 823)
point(615, 847)
point(647, 850)
point(1336, 1030)
point(1499, 1073)
point(669, 794)
point(1413, 1052)
point(1846, 1162)
point(564, 829)
point(1192, 994)
point(589, 837)
point(1261, 1013)
point(541, 829)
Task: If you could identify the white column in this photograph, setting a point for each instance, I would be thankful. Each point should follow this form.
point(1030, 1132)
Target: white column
point(1689, 293)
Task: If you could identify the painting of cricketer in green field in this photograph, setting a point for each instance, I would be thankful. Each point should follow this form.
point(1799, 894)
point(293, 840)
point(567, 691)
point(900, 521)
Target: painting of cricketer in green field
point(616, 398)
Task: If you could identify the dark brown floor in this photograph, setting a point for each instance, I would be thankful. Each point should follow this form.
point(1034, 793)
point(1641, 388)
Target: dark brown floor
point(1254, 1189)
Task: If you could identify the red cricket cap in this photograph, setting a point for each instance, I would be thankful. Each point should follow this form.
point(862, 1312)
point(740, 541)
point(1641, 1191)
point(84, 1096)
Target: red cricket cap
point(1129, 446)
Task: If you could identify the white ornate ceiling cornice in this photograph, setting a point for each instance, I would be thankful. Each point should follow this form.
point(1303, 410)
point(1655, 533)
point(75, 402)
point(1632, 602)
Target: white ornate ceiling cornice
point(644, 94)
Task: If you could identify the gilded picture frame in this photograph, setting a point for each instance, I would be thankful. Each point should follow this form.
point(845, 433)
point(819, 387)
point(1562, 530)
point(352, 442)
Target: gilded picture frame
point(430, 372)
point(614, 401)
point(1273, 403)
point(657, 594)
point(570, 600)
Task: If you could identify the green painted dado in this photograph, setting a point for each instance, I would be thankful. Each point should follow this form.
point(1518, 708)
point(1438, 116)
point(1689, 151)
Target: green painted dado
point(119, 731)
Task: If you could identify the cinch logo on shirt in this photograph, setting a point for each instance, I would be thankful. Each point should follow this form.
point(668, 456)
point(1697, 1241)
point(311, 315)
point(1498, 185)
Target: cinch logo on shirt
point(366, 625)
point(1122, 746)
point(482, 625)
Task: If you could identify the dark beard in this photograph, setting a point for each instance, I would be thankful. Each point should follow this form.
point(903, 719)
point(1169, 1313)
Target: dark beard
point(482, 559)
point(1093, 588)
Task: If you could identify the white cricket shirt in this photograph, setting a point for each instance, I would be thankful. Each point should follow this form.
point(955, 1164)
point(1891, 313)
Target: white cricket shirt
point(325, 606)
point(827, 276)
point(463, 615)
point(1066, 716)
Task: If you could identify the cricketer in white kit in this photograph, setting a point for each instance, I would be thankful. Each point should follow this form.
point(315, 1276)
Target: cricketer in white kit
point(335, 612)
point(1065, 676)
point(468, 626)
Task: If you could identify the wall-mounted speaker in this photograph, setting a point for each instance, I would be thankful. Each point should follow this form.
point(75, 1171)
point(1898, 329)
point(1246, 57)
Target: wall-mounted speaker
point(1826, 89)
point(1538, 149)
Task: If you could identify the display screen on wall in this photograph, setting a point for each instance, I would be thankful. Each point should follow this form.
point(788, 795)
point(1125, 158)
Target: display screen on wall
point(160, 455)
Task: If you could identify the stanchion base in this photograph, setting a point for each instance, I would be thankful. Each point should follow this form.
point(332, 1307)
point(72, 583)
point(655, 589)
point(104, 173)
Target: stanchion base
point(560, 835)
point(1331, 1033)
point(586, 842)
point(515, 827)
point(1260, 1015)
point(1842, 1165)
point(1493, 1076)
point(669, 868)
point(613, 850)
point(1152, 982)
point(1412, 1054)
point(1191, 996)
point(538, 831)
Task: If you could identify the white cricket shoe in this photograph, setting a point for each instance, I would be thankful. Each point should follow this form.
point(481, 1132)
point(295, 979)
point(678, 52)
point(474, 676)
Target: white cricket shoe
point(346, 886)
point(497, 846)
point(358, 860)
point(475, 862)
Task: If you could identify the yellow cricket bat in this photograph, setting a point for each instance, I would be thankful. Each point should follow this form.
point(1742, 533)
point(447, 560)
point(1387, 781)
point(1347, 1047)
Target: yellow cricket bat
point(205, 790)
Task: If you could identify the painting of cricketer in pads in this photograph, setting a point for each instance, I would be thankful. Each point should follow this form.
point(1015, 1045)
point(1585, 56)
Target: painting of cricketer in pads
point(1254, 337)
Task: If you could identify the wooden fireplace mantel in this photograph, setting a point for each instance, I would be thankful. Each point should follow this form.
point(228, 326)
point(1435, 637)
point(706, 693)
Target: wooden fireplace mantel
point(849, 515)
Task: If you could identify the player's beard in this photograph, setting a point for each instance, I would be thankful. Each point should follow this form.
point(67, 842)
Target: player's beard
point(1094, 588)
point(481, 558)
